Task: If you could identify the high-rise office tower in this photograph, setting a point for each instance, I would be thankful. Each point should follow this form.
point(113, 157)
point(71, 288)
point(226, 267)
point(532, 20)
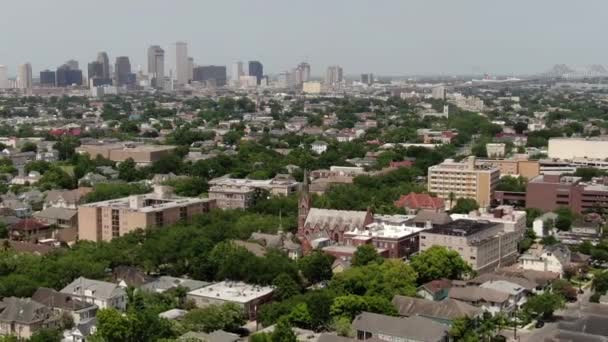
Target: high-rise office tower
point(367, 79)
point(212, 75)
point(66, 76)
point(122, 69)
point(95, 70)
point(156, 66)
point(237, 71)
point(182, 69)
point(103, 58)
point(24, 76)
point(47, 78)
point(333, 76)
point(3, 77)
point(256, 69)
point(73, 64)
point(190, 69)
point(302, 73)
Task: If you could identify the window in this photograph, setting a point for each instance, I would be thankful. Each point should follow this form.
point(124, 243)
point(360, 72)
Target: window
point(115, 223)
point(183, 213)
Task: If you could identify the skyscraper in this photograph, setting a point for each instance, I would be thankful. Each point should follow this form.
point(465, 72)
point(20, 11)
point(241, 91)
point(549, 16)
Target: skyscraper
point(190, 69)
point(182, 69)
point(102, 58)
point(302, 73)
point(47, 78)
point(73, 64)
point(212, 75)
point(237, 71)
point(122, 69)
point(24, 76)
point(367, 79)
point(333, 76)
point(66, 76)
point(156, 66)
point(95, 70)
point(3, 77)
point(256, 69)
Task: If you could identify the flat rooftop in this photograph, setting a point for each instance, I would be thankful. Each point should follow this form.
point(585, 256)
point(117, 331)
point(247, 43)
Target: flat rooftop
point(148, 203)
point(230, 291)
point(462, 227)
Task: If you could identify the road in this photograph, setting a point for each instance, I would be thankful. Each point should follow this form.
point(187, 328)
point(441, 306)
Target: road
point(571, 311)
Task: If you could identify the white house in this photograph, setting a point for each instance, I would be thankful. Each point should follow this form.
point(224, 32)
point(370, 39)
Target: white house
point(539, 227)
point(550, 258)
point(101, 293)
point(319, 147)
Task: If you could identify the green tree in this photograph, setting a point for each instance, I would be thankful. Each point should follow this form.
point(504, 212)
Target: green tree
point(438, 262)
point(300, 316)
point(127, 171)
point(366, 254)
point(351, 305)
point(283, 332)
point(316, 267)
point(600, 282)
point(285, 287)
point(543, 305)
point(29, 147)
point(343, 327)
point(46, 335)
point(563, 223)
point(227, 317)
point(465, 206)
point(112, 326)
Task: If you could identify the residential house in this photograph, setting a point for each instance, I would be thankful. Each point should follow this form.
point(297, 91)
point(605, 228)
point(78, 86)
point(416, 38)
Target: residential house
point(281, 241)
point(248, 297)
point(372, 326)
point(487, 299)
point(101, 293)
point(63, 303)
point(59, 217)
point(553, 258)
point(130, 276)
point(319, 147)
point(413, 202)
point(517, 294)
point(67, 199)
point(22, 317)
point(29, 230)
point(16, 207)
point(435, 289)
point(445, 311)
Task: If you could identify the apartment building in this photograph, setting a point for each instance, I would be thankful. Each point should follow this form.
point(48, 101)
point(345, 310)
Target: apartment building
point(512, 167)
point(143, 155)
point(463, 180)
point(103, 221)
point(235, 193)
point(483, 244)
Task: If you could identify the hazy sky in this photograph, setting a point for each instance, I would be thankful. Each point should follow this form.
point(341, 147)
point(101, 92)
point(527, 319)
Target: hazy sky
point(389, 37)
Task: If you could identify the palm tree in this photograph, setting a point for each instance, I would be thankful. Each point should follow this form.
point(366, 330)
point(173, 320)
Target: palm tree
point(451, 197)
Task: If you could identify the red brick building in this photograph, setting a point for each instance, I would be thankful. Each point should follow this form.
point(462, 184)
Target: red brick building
point(549, 192)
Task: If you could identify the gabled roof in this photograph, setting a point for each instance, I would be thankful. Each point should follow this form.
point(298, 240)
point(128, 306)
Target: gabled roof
point(100, 289)
point(54, 299)
point(23, 310)
point(28, 224)
point(476, 293)
point(437, 285)
point(448, 309)
point(57, 214)
point(164, 283)
point(420, 201)
point(333, 218)
point(411, 328)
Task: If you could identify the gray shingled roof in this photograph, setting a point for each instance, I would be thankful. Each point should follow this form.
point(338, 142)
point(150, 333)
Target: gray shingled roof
point(411, 328)
point(23, 310)
point(476, 293)
point(100, 289)
point(54, 299)
point(448, 309)
point(165, 283)
point(57, 214)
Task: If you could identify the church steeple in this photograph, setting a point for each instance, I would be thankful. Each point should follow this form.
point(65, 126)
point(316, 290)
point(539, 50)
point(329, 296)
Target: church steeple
point(304, 203)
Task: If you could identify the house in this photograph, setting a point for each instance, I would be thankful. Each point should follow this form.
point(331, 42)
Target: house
point(101, 293)
point(59, 217)
point(215, 336)
point(435, 290)
point(129, 276)
point(67, 199)
point(92, 179)
point(164, 283)
point(173, 314)
point(413, 202)
point(552, 258)
point(319, 147)
point(16, 207)
point(63, 303)
point(487, 299)
point(374, 326)
point(281, 241)
point(445, 311)
point(29, 230)
point(517, 294)
point(32, 177)
point(22, 317)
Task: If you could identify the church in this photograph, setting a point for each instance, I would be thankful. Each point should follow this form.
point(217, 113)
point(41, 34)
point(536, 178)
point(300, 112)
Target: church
point(315, 223)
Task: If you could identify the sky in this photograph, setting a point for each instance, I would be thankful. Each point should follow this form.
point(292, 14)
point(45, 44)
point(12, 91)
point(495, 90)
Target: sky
point(384, 37)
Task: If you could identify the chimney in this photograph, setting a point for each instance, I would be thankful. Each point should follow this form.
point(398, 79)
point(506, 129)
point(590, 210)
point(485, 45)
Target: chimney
point(163, 191)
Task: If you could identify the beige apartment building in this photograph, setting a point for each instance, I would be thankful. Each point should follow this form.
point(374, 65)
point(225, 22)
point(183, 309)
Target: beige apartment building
point(103, 221)
point(513, 167)
point(485, 245)
point(240, 193)
point(463, 179)
point(142, 154)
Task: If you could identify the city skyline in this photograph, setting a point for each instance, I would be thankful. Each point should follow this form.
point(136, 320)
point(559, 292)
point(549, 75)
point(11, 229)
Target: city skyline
point(398, 39)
